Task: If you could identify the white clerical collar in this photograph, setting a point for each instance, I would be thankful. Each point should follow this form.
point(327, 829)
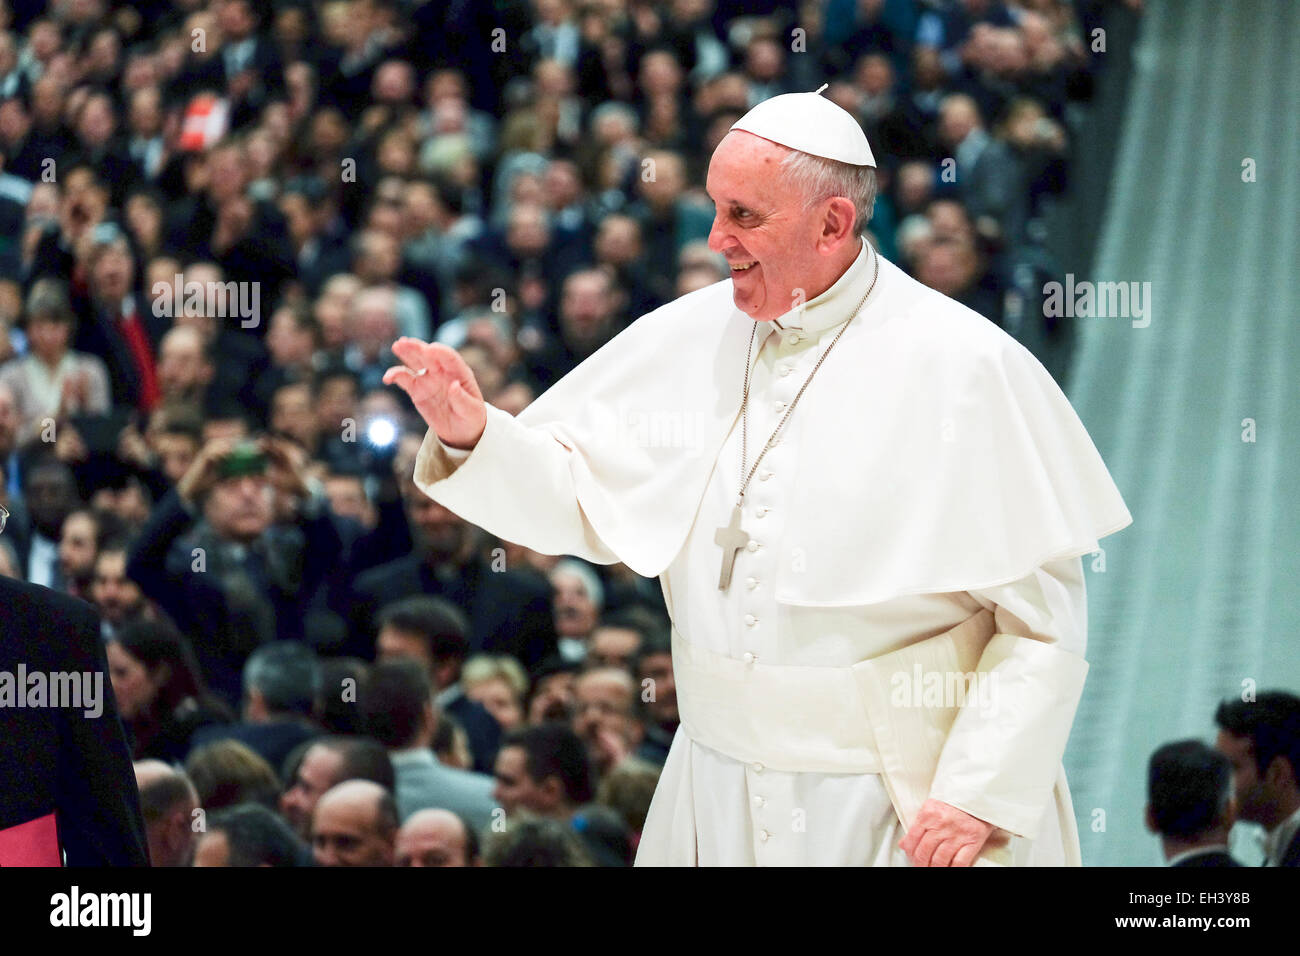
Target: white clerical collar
point(832, 307)
point(1277, 841)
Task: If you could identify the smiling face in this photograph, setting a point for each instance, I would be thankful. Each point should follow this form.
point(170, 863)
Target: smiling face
point(760, 223)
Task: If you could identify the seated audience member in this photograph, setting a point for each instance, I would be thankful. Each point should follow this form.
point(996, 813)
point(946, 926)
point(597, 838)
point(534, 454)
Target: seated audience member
point(227, 772)
point(451, 745)
point(50, 494)
point(543, 770)
point(578, 599)
point(281, 681)
point(436, 838)
point(53, 381)
point(116, 596)
point(618, 636)
point(250, 835)
point(83, 533)
point(215, 559)
point(500, 685)
point(552, 694)
point(653, 670)
point(168, 802)
point(336, 709)
point(1262, 739)
point(628, 790)
point(509, 612)
point(605, 716)
point(160, 695)
point(354, 824)
point(434, 633)
point(397, 710)
point(318, 765)
point(1190, 804)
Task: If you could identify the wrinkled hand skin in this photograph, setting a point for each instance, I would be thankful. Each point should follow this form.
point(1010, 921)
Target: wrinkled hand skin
point(942, 835)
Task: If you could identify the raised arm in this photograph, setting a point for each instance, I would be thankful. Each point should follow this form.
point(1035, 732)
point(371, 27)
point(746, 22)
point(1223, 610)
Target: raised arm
point(510, 479)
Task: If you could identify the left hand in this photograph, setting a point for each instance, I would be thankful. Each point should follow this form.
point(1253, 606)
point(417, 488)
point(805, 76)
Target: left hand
point(942, 835)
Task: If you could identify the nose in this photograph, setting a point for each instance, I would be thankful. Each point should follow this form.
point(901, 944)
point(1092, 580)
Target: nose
point(719, 239)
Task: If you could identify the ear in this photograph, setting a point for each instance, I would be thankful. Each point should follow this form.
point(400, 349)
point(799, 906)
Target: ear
point(1280, 775)
point(837, 225)
point(256, 706)
point(430, 718)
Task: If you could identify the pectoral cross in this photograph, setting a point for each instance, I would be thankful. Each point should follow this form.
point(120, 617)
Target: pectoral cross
point(732, 540)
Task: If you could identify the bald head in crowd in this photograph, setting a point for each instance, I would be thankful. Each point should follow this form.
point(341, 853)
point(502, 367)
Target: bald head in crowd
point(324, 764)
point(436, 838)
point(167, 803)
point(354, 824)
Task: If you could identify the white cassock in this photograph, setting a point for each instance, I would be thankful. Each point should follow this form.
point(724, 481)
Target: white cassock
point(922, 518)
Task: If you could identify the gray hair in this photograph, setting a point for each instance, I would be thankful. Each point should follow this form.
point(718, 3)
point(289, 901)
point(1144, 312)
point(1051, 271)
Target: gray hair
point(818, 178)
point(584, 573)
point(286, 673)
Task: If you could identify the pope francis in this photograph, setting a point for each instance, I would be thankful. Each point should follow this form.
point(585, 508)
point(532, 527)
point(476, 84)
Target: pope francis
point(865, 503)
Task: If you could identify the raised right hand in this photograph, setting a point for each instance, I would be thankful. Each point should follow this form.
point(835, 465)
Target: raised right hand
point(443, 389)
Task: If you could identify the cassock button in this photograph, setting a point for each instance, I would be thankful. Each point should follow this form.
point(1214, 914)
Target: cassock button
point(750, 620)
point(792, 337)
point(751, 583)
point(758, 801)
point(765, 475)
point(748, 657)
point(763, 511)
point(779, 406)
point(785, 370)
point(758, 768)
point(764, 835)
point(752, 546)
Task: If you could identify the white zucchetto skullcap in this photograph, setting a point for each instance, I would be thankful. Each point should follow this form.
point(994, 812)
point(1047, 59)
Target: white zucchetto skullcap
point(811, 124)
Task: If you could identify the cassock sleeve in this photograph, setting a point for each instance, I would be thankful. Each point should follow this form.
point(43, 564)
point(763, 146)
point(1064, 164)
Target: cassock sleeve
point(1001, 759)
point(516, 484)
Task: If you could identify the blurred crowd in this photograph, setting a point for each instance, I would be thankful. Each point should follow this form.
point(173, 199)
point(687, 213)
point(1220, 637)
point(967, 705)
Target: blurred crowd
point(1197, 793)
point(219, 215)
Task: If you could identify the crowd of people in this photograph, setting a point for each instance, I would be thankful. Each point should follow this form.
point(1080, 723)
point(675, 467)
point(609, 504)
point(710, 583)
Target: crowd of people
point(220, 215)
point(1196, 793)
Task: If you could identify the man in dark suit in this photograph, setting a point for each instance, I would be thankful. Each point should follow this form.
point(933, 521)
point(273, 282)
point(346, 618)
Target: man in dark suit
point(436, 634)
point(246, 69)
point(509, 612)
point(1190, 804)
point(281, 681)
point(1262, 739)
point(66, 782)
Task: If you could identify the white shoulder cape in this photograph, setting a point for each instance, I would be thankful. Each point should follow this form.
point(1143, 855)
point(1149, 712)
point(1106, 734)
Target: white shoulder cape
point(936, 453)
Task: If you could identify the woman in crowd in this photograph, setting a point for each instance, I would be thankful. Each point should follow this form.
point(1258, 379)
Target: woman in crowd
point(159, 694)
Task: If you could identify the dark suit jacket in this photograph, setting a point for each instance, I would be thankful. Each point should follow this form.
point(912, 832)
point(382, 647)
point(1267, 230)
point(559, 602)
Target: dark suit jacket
point(1215, 858)
point(55, 759)
point(286, 565)
point(509, 612)
point(481, 729)
point(273, 741)
point(1292, 855)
